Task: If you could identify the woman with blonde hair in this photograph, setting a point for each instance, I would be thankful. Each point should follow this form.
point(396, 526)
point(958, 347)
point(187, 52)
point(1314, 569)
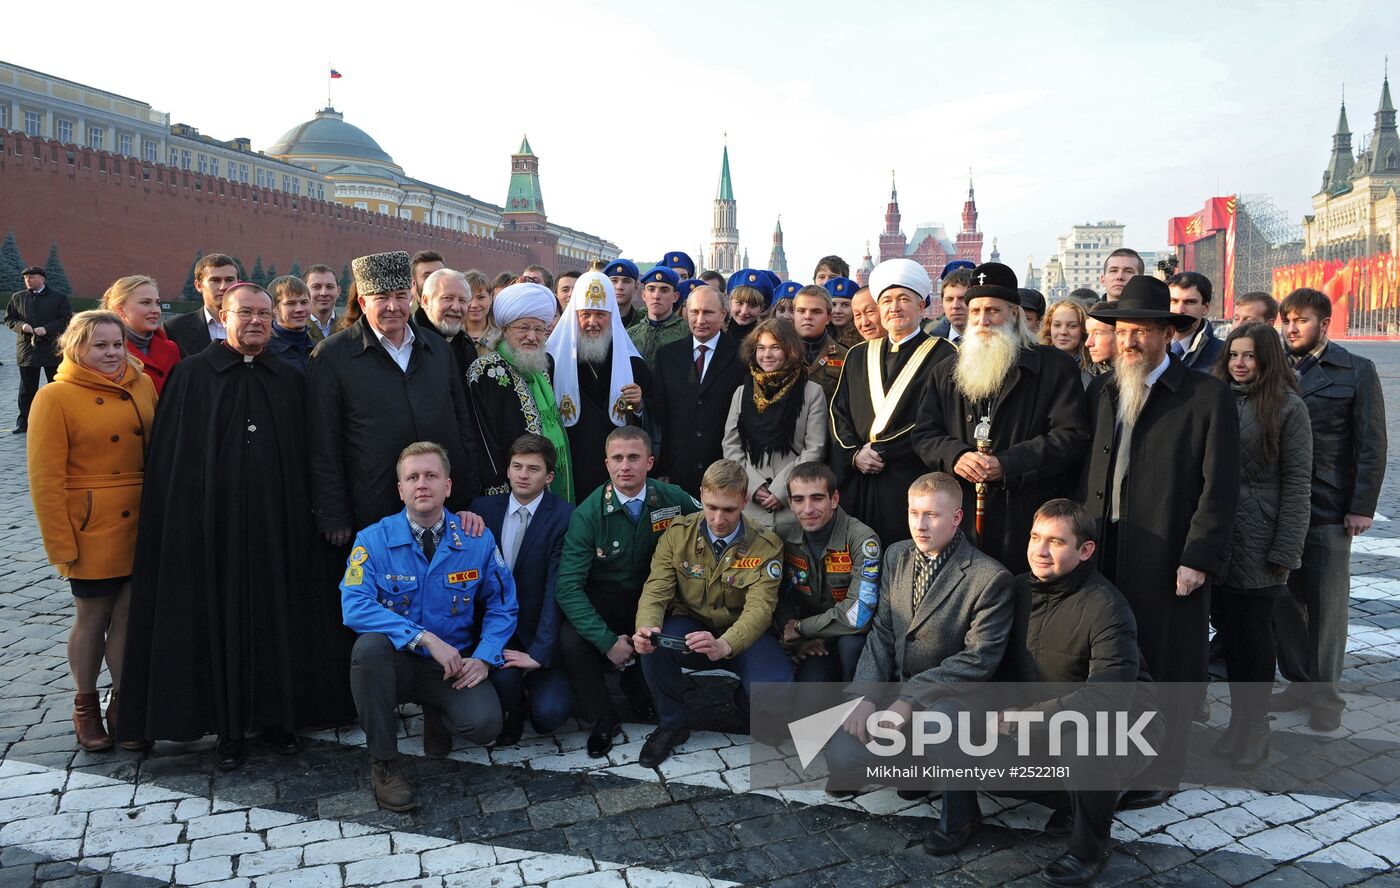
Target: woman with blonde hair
point(136, 300)
point(777, 418)
point(1064, 327)
point(479, 322)
point(87, 454)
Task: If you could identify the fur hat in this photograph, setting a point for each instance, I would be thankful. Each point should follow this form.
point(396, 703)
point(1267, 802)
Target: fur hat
point(382, 273)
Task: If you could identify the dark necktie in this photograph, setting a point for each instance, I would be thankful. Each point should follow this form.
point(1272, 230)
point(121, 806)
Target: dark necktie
point(700, 361)
point(719, 546)
point(429, 545)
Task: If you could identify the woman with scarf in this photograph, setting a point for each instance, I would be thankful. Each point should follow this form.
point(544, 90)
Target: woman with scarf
point(777, 418)
point(136, 300)
point(291, 339)
point(87, 458)
point(1270, 525)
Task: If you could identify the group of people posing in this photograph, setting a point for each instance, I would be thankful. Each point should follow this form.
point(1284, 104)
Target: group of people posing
point(522, 490)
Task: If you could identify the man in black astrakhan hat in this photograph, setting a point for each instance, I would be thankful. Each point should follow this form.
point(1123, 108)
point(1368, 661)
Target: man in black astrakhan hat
point(1025, 402)
point(1162, 479)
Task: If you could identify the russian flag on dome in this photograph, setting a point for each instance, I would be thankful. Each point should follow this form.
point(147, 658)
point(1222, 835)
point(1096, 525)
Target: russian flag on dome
point(335, 75)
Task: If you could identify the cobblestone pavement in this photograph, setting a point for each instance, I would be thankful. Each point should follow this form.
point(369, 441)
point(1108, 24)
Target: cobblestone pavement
point(542, 813)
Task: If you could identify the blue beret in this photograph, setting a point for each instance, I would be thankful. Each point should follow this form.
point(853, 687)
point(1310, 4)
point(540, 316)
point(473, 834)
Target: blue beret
point(622, 268)
point(752, 277)
point(661, 275)
point(841, 288)
point(680, 260)
point(773, 279)
point(788, 289)
point(685, 286)
point(954, 266)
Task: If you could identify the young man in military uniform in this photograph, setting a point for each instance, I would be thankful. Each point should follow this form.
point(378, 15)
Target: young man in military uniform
point(607, 554)
point(413, 589)
point(811, 313)
point(624, 276)
point(710, 597)
point(662, 322)
point(831, 578)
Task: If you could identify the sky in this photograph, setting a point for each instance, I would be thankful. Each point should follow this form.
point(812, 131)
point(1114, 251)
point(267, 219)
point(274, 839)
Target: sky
point(1064, 112)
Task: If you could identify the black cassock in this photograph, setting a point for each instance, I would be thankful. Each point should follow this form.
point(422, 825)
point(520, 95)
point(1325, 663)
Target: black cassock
point(1039, 431)
point(881, 500)
point(504, 410)
point(228, 632)
point(587, 436)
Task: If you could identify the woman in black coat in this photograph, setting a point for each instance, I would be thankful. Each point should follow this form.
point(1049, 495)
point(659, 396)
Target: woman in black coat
point(1267, 541)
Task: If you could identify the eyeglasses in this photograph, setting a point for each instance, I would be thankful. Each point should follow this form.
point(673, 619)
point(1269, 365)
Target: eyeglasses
point(247, 314)
point(529, 329)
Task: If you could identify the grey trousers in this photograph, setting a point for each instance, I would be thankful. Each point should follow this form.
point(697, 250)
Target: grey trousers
point(382, 677)
point(1311, 621)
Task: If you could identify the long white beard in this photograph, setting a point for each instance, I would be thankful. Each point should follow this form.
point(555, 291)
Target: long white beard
point(531, 360)
point(594, 349)
point(1132, 387)
point(984, 361)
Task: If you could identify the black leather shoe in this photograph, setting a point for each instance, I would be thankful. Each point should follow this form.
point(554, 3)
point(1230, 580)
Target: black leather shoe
point(281, 742)
point(229, 754)
point(659, 745)
point(1060, 824)
point(600, 741)
point(1143, 798)
point(1070, 870)
point(1286, 701)
point(19, 430)
point(1325, 720)
point(511, 729)
point(940, 843)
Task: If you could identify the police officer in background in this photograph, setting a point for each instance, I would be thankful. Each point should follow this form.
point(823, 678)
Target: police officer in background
point(607, 553)
point(831, 578)
point(710, 597)
point(413, 587)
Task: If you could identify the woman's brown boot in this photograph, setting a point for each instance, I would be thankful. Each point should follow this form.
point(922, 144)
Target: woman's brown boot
point(87, 723)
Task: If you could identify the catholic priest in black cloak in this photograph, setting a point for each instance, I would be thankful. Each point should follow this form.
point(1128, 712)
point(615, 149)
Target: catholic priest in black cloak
point(225, 637)
point(600, 379)
point(872, 411)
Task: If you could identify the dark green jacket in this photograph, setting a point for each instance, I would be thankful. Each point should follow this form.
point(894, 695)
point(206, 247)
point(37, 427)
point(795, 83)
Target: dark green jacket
point(606, 558)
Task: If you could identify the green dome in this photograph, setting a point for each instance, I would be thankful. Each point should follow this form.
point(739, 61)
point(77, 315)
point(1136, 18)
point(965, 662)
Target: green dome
point(328, 135)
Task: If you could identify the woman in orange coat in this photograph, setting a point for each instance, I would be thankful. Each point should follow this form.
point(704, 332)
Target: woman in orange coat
point(136, 299)
point(87, 447)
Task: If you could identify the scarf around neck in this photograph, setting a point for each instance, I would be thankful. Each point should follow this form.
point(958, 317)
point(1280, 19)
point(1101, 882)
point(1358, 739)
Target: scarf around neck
point(550, 426)
point(768, 411)
point(142, 343)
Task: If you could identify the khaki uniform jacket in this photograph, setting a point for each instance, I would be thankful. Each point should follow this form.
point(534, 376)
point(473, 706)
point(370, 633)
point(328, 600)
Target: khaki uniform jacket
point(819, 595)
point(735, 596)
point(825, 371)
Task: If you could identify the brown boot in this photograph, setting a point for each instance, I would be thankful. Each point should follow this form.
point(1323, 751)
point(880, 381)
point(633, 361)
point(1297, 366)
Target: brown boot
point(87, 723)
point(391, 788)
point(437, 741)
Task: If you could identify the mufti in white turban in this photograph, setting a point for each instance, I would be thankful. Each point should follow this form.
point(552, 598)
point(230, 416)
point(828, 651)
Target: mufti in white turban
point(592, 292)
point(900, 273)
point(523, 301)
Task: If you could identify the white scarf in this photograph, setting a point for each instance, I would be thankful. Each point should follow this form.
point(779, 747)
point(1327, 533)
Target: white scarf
point(592, 291)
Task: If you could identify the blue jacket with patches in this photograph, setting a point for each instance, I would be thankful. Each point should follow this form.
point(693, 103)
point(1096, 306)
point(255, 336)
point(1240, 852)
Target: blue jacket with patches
point(390, 588)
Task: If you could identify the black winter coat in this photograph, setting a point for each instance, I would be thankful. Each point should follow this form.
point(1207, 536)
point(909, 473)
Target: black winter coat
point(1040, 429)
point(1343, 394)
point(363, 410)
point(1181, 488)
point(690, 416)
point(48, 309)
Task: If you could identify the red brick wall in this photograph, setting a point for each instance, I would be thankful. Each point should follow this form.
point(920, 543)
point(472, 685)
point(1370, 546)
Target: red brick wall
point(113, 216)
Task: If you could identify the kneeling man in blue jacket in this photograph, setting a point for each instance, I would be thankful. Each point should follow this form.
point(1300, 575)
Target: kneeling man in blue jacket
point(434, 608)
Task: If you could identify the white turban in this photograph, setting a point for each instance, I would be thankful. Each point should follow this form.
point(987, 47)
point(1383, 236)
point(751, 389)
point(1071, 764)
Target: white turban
point(900, 273)
point(592, 292)
point(523, 301)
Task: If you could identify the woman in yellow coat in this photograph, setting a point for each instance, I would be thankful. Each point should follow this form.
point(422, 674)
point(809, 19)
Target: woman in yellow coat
point(87, 448)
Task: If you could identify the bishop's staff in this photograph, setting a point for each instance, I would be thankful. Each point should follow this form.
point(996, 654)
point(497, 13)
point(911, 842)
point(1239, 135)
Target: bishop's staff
point(982, 434)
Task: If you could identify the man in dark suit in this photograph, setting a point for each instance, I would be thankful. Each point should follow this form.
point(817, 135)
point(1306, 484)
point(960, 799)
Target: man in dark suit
point(38, 315)
point(193, 331)
point(695, 382)
point(1347, 408)
point(529, 522)
point(1197, 345)
point(943, 619)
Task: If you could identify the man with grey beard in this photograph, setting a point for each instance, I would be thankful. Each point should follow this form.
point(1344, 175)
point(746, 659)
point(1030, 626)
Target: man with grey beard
point(442, 306)
point(1006, 414)
point(1162, 480)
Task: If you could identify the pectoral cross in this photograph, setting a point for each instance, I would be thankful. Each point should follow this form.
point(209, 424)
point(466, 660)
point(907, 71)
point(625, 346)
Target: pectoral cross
point(981, 278)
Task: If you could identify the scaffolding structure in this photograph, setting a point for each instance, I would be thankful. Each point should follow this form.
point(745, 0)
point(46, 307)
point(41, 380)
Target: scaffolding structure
point(1265, 239)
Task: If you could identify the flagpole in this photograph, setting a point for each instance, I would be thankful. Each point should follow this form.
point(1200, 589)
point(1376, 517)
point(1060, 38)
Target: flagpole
point(329, 80)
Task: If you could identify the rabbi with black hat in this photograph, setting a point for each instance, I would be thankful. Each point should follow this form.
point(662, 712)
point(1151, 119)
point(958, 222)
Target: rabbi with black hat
point(1023, 403)
point(1162, 479)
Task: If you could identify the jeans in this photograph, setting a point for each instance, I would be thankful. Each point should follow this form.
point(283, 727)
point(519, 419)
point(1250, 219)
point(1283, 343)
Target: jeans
point(764, 661)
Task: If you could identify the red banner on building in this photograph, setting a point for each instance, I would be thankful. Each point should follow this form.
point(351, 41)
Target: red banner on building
point(1365, 292)
point(1216, 217)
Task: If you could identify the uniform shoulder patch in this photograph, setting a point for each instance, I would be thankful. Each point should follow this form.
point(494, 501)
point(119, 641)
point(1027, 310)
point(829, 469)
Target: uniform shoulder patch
point(354, 575)
point(774, 570)
point(358, 555)
point(747, 563)
point(500, 559)
point(870, 548)
point(463, 576)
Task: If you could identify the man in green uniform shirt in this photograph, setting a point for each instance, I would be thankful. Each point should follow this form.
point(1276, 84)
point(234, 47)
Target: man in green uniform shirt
point(710, 597)
point(607, 554)
point(831, 578)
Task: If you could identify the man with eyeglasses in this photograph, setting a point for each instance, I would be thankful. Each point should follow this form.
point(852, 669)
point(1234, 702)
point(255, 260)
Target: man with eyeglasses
point(374, 388)
point(510, 388)
point(223, 545)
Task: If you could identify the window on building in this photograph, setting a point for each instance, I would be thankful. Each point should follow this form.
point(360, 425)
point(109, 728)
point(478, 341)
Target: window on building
point(4, 117)
point(384, 209)
point(174, 158)
point(296, 186)
point(406, 214)
point(214, 166)
point(33, 123)
point(149, 151)
point(96, 135)
point(204, 163)
point(124, 145)
point(243, 173)
point(361, 205)
point(184, 159)
point(65, 131)
point(262, 180)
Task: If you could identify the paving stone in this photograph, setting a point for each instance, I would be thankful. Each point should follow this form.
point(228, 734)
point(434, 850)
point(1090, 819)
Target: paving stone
point(504, 800)
point(346, 850)
point(166, 854)
point(226, 845)
point(314, 877)
point(216, 825)
point(110, 841)
point(1236, 867)
point(303, 833)
point(263, 862)
point(383, 869)
point(38, 829)
point(144, 815)
point(208, 869)
point(1282, 843)
point(562, 811)
point(544, 868)
point(506, 875)
point(457, 858)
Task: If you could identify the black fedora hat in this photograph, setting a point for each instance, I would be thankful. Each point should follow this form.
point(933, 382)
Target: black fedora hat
point(1145, 298)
